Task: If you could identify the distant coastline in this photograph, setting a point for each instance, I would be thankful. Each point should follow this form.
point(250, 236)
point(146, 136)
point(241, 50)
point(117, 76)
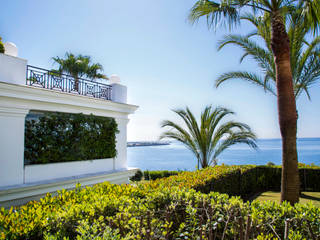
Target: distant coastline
point(144, 144)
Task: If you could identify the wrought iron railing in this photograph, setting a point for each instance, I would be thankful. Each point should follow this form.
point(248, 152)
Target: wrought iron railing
point(39, 77)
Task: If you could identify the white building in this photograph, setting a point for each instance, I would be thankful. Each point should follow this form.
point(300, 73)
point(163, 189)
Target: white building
point(19, 182)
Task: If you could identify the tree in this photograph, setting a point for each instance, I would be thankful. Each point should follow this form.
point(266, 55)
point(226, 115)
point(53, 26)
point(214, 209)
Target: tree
point(209, 138)
point(227, 12)
point(78, 66)
point(304, 56)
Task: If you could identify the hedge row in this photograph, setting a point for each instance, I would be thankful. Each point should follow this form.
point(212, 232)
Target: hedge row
point(168, 208)
point(241, 181)
point(62, 137)
point(153, 175)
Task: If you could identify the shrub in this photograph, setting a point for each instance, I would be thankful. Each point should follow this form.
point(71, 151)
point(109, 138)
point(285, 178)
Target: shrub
point(127, 212)
point(137, 176)
point(2, 50)
point(241, 181)
point(270, 164)
point(153, 175)
point(167, 208)
point(63, 137)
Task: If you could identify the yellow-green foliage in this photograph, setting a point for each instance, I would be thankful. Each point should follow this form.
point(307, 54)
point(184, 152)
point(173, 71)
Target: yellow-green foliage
point(1, 46)
point(167, 208)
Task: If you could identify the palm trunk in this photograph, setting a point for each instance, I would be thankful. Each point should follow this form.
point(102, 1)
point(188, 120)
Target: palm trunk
point(286, 110)
point(76, 83)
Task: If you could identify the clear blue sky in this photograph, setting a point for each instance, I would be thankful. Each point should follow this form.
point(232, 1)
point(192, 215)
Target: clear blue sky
point(165, 62)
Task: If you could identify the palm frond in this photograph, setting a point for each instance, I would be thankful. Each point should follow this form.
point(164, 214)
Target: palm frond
point(247, 76)
point(217, 14)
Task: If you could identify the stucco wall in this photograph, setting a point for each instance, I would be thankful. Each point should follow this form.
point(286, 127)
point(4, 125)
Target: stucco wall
point(11, 145)
point(42, 172)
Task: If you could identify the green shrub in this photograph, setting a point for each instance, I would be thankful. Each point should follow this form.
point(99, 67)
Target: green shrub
point(2, 50)
point(241, 181)
point(270, 164)
point(137, 176)
point(63, 137)
point(167, 208)
point(127, 212)
point(153, 175)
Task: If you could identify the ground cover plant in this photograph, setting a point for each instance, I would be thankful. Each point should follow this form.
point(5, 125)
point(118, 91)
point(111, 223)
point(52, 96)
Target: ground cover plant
point(168, 208)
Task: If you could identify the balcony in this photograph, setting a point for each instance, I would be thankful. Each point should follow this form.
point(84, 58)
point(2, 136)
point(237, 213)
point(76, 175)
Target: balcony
point(42, 78)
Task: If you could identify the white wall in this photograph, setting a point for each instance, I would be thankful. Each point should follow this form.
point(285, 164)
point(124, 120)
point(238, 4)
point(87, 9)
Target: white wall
point(121, 159)
point(11, 145)
point(42, 172)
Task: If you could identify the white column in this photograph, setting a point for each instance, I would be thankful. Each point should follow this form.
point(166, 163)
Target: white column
point(12, 69)
point(121, 137)
point(12, 123)
point(119, 93)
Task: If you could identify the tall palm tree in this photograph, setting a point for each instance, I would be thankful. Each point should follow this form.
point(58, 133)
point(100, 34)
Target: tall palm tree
point(79, 66)
point(227, 12)
point(304, 54)
point(209, 138)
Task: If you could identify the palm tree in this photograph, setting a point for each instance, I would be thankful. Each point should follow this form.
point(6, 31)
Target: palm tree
point(227, 12)
point(305, 65)
point(209, 138)
point(78, 67)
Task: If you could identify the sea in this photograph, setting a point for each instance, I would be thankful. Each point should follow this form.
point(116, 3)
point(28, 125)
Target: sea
point(177, 157)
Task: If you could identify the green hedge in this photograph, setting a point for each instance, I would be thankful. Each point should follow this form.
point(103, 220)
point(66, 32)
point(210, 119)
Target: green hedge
point(63, 137)
point(162, 209)
point(241, 181)
point(153, 175)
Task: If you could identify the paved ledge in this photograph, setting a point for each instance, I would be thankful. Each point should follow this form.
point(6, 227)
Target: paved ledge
point(20, 194)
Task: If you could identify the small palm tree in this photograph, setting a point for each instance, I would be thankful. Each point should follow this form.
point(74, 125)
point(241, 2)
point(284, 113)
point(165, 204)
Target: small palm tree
point(79, 66)
point(209, 138)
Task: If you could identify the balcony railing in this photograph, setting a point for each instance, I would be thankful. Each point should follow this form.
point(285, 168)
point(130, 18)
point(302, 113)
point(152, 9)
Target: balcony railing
point(43, 78)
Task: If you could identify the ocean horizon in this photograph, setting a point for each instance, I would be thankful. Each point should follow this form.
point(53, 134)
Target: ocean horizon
point(177, 157)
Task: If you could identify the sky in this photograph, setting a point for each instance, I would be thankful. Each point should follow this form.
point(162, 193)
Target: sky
point(166, 62)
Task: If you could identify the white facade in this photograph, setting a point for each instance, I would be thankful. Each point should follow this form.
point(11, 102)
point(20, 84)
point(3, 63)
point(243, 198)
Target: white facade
point(43, 172)
point(17, 99)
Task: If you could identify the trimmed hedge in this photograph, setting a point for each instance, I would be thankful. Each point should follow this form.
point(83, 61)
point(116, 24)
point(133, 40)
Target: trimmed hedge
point(153, 175)
point(168, 208)
point(108, 211)
point(64, 137)
point(241, 181)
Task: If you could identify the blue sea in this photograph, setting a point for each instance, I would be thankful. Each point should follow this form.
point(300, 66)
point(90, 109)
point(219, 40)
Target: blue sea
point(177, 157)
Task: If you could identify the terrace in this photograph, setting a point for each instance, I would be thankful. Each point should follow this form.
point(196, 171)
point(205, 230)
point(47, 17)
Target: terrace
point(42, 78)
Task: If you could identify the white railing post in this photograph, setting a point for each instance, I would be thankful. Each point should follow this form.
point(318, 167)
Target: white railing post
point(119, 92)
point(12, 69)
